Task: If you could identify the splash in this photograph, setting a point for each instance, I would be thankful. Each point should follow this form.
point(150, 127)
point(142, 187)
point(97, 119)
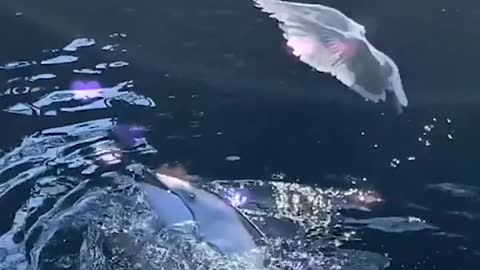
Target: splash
point(236, 198)
point(364, 200)
point(107, 154)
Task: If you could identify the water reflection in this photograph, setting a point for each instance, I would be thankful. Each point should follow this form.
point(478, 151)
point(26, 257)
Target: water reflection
point(392, 224)
point(86, 97)
point(82, 95)
point(16, 64)
point(61, 59)
point(79, 43)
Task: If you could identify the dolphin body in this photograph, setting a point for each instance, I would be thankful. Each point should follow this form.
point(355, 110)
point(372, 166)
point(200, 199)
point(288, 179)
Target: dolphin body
point(218, 223)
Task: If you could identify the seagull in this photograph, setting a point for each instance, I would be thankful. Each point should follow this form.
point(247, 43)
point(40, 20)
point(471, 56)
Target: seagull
point(330, 42)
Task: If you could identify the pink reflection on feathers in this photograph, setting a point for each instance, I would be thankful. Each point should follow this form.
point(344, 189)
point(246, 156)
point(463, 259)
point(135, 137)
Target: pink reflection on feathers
point(302, 46)
point(308, 47)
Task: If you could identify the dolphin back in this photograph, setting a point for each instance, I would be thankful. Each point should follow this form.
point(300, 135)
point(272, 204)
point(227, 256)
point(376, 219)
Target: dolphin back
point(218, 223)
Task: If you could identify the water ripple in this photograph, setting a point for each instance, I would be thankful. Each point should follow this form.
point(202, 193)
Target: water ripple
point(79, 43)
point(61, 59)
point(75, 100)
point(59, 196)
point(82, 95)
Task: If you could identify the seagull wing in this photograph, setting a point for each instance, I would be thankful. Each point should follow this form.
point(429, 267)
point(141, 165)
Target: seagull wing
point(330, 42)
point(283, 11)
point(346, 55)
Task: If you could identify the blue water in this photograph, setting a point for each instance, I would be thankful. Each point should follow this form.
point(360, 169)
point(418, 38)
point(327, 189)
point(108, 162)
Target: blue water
point(212, 87)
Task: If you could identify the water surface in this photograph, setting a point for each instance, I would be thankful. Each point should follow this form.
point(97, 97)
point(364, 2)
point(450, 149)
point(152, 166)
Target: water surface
point(90, 89)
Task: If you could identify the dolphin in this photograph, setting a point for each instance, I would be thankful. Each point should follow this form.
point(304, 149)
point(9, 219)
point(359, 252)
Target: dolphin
point(219, 224)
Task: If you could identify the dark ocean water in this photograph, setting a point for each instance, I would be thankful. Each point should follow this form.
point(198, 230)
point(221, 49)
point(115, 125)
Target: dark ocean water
point(207, 80)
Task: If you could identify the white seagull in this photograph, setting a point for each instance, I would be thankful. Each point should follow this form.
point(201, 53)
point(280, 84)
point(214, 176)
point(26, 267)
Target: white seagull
point(330, 42)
